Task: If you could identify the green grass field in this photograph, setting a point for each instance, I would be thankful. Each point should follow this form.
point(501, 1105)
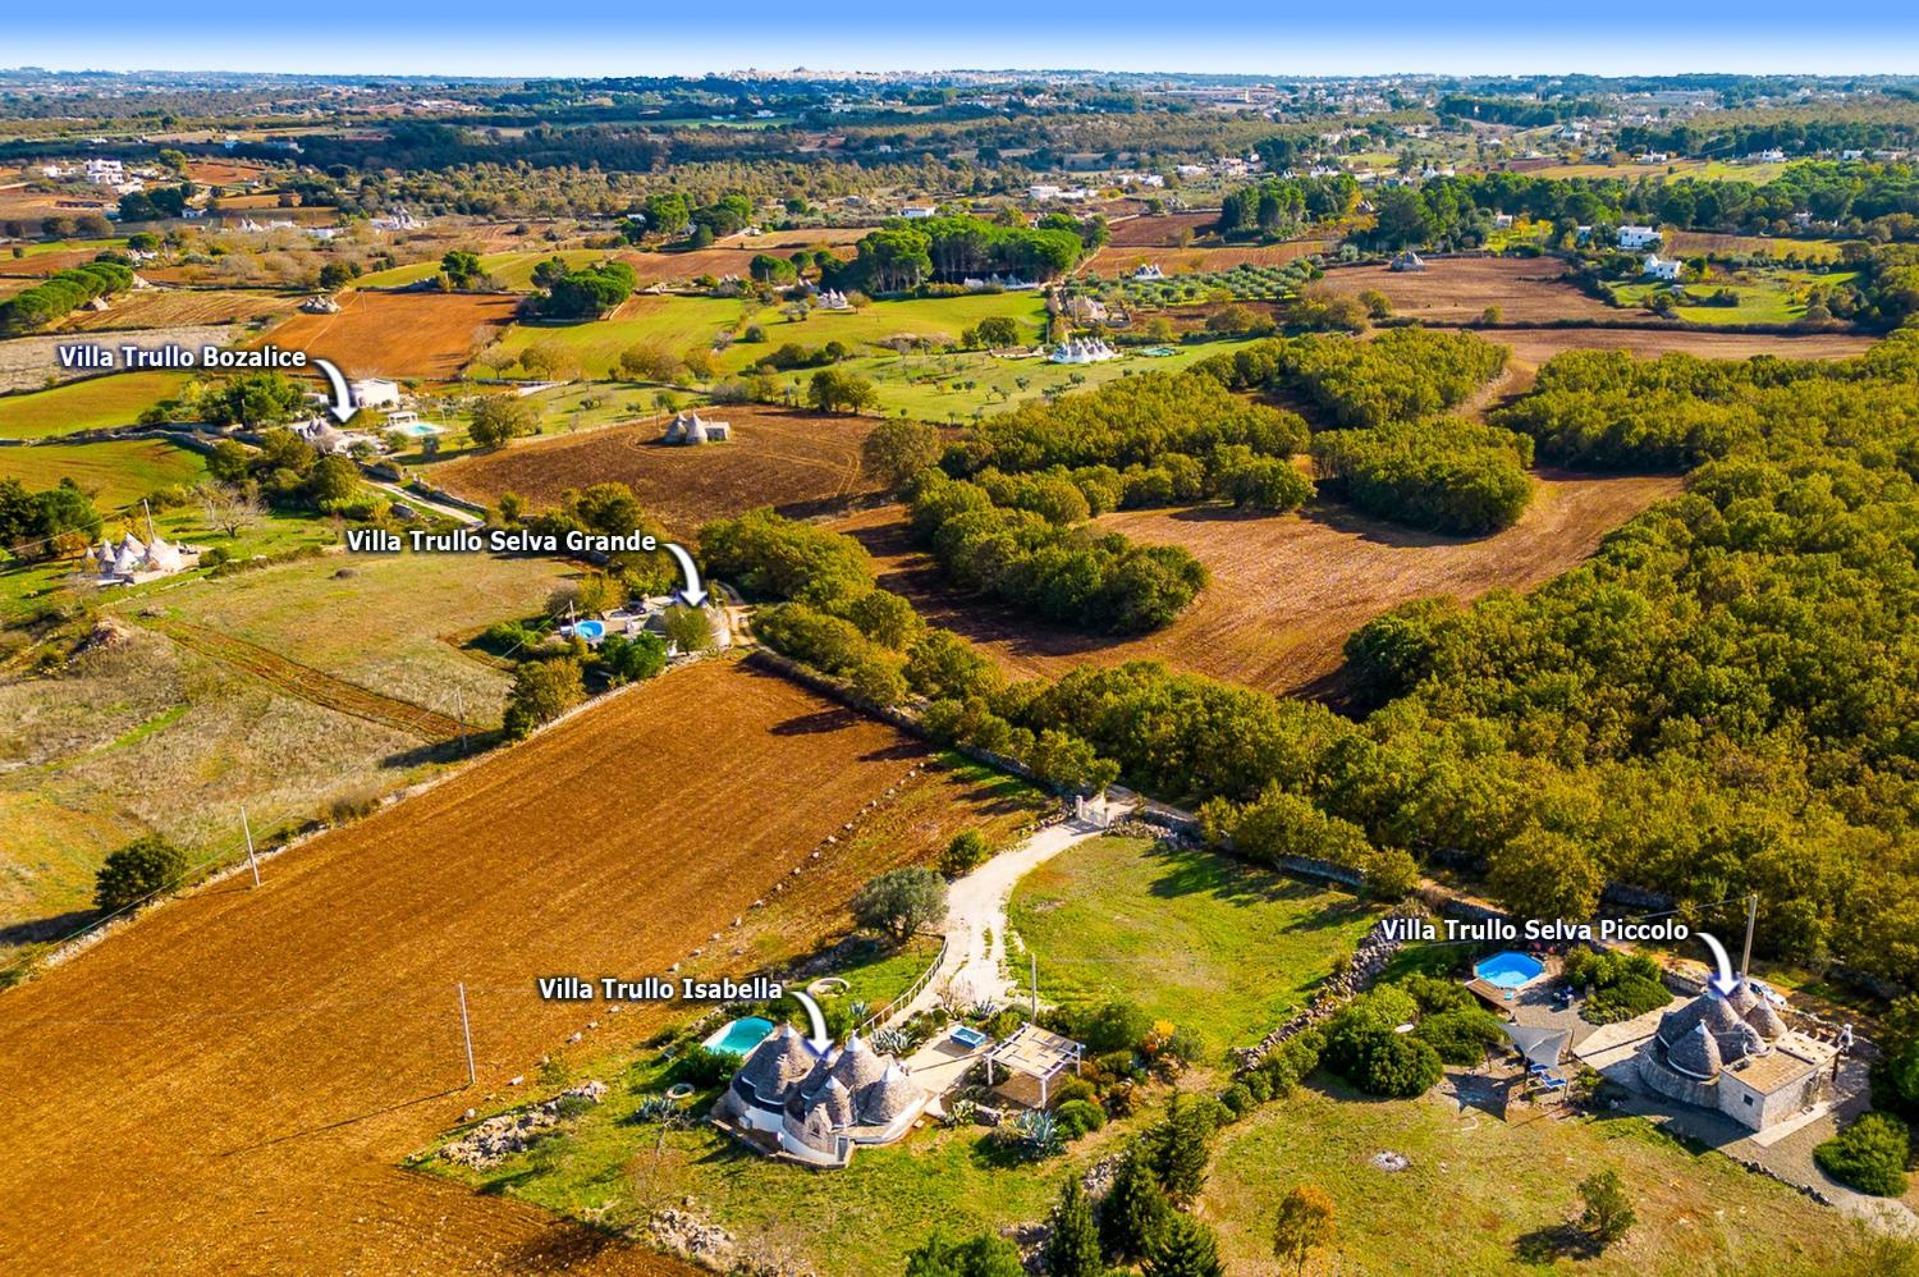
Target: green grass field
point(1480, 1191)
point(513, 270)
point(677, 323)
point(1769, 297)
point(115, 474)
point(92, 404)
point(1222, 949)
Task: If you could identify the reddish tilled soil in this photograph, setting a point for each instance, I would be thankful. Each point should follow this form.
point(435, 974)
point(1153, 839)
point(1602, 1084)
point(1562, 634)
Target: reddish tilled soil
point(399, 334)
point(799, 463)
point(228, 1084)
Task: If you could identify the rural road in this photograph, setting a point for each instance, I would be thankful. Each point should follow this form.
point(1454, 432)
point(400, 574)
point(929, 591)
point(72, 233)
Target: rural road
point(975, 959)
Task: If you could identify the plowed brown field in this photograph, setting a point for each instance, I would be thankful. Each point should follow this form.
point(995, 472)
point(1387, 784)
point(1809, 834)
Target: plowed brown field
point(169, 308)
point(1286, 589)
point(1457, 290)
point(225, 1086)
point(797, 462)
point(399, 334)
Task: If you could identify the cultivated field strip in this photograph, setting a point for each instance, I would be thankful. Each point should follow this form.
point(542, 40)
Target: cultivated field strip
point(314, 686)
point(227, 1084)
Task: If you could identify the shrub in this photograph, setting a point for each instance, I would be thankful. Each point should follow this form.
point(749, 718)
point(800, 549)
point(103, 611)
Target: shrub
point(1238, 1100)
point(964, 854)
point(1077, 1118)
point(1461, 1036)
point(704, 1067)
point(1870, 1155)
point(541, 692)
point(147, 865)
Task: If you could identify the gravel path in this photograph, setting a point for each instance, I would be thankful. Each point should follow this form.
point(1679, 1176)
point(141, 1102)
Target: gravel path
point(975, 959)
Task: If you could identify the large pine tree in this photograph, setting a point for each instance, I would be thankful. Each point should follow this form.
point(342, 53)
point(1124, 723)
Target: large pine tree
point(1133, 1214)
point(1187, 1250)
point(1072, 1248)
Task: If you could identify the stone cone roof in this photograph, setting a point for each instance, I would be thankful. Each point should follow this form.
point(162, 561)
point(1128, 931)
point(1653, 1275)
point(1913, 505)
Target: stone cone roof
point(1680, 1021)
point(887, 1099)
point(1720, 1018)
point(1742, 998)
point(777, 1063)
point(1766, 1021)
point(816, 1132)
point(858, 1066)
point(1696, 1054)
point(836, 1102)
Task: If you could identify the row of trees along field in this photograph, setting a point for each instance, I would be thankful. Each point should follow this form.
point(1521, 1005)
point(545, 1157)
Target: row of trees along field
point(906, 254)
point(63, 293)
point(1722, 701)
point(1874, 200)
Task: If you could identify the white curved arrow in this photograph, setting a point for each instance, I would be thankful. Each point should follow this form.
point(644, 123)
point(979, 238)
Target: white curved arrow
point(342, 406)
point(1723, 982)
point(821, 1040)
point(694, 594)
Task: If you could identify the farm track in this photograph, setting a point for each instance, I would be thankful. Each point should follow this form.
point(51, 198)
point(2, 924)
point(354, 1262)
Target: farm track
point(316, 687)
point(229, 1083)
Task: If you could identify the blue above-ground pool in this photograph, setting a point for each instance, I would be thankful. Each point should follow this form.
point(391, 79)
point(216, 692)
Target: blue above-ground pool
point(591, 631)
point(740, 1036)
point(1510, 970)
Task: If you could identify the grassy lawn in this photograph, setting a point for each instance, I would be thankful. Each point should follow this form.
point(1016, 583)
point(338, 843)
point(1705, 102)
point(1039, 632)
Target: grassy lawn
point(393, 626)
point(856, 1222)
point(1487, 1185)
point(21, 585)
point(1764, 297)
point(1222, 949)
point(85, 405)
point(66, 246)
point(676, 323)
point(115, 474)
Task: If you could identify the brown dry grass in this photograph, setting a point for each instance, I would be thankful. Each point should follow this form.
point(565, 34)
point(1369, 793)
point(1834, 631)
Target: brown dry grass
point(1163, 231)
point(799, 463)
point(1286, 589)
point(1534, 346)
point(399, 334)
point(1458, 289)
point(238, 1073)
point(170, 308)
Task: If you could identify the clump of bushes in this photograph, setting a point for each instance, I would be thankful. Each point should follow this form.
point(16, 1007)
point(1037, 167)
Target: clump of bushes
point(1870, 1155)
point(1621, 985)
point(1364, 1046)
point(147, 865)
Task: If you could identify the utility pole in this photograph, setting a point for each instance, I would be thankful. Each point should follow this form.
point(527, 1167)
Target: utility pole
point(1033, 955)
point(466, 1032)
point(1752, 919)
point(253, 861)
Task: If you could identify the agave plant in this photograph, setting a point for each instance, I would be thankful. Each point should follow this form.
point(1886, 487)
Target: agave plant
point(892, 1042)
point(1040, 1133)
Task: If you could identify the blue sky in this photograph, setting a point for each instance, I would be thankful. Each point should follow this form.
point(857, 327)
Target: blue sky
point(488, 37)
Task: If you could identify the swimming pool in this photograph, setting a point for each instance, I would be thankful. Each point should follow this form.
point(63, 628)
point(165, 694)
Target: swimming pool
point(740, 1036)
point(1510, 970)
point(418, 429)
point(591, 631)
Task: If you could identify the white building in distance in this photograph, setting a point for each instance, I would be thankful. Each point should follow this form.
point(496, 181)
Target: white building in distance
point(1631, 237)
point(1660, 268)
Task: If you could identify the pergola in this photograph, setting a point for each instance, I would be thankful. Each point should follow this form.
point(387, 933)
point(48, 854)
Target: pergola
point(1035, 1053)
